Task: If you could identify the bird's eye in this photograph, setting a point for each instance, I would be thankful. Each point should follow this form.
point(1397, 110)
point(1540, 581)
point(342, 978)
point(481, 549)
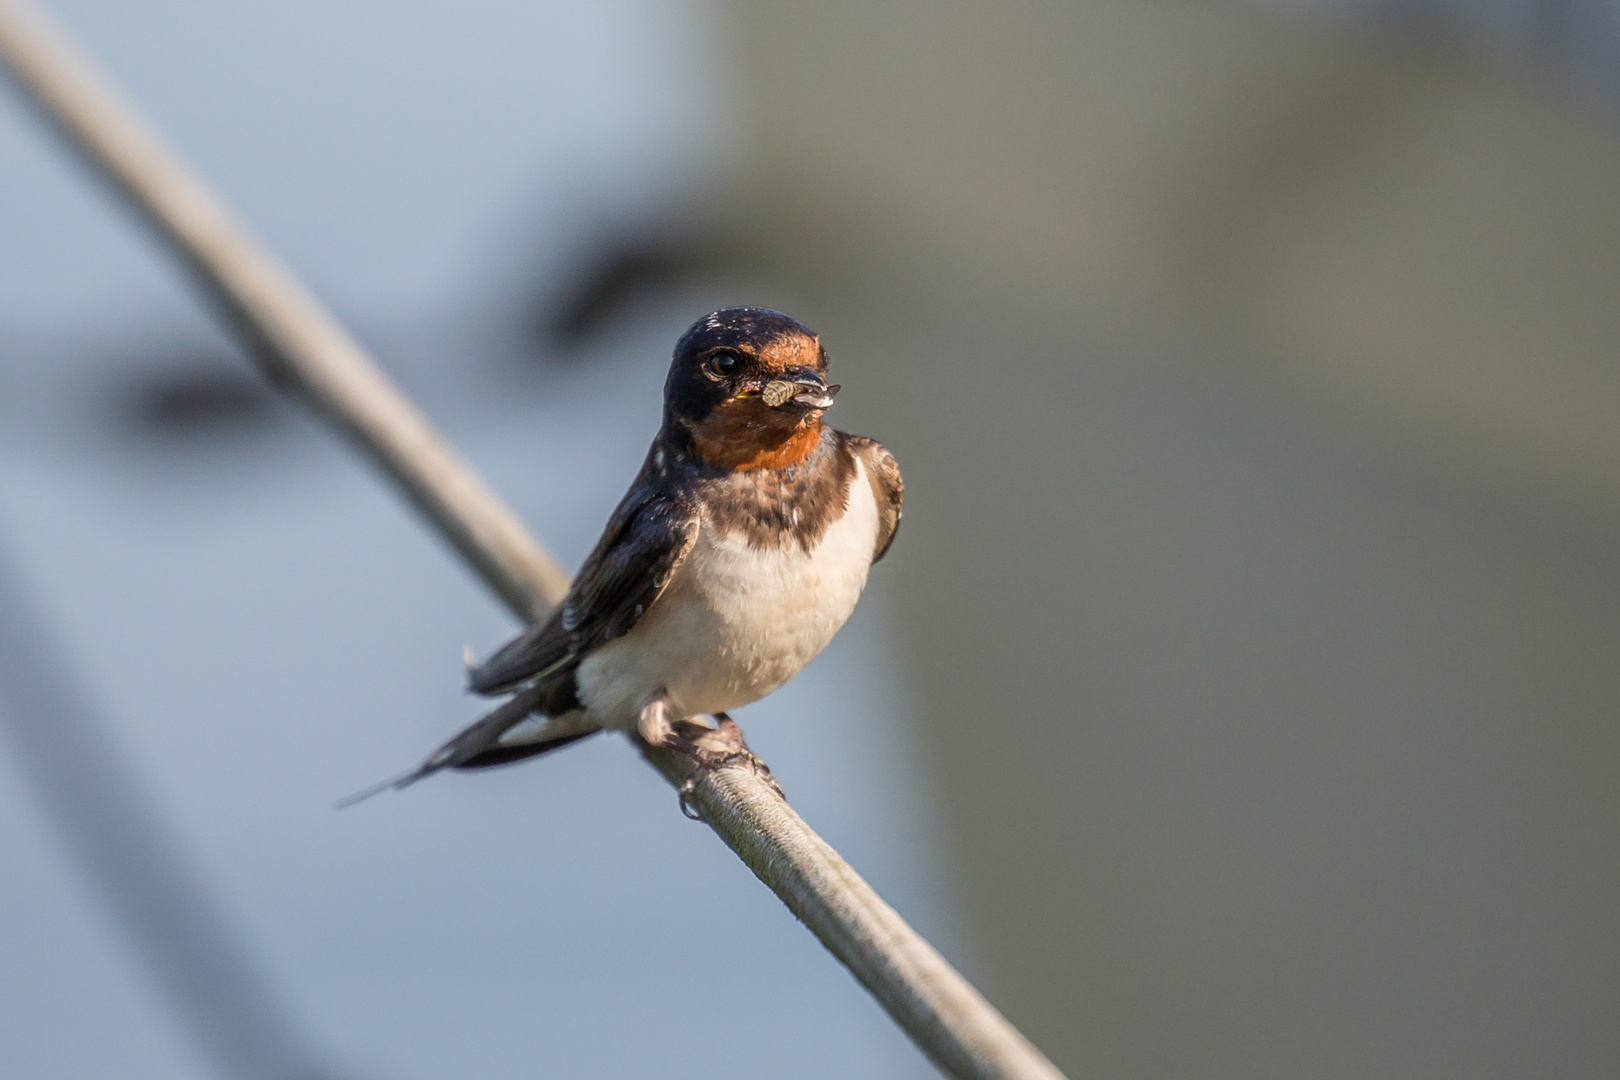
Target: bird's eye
point(722, 364)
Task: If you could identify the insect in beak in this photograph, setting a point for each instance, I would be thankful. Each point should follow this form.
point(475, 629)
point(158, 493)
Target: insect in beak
point(806, 388)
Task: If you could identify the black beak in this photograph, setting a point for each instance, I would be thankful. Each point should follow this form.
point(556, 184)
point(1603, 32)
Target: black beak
point(802, 386)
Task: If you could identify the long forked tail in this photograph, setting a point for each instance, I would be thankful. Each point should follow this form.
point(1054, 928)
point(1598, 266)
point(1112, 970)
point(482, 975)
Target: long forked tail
point(482, 744)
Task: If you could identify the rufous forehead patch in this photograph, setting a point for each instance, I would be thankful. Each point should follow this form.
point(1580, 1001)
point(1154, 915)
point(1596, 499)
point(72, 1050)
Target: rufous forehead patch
point(791, 351)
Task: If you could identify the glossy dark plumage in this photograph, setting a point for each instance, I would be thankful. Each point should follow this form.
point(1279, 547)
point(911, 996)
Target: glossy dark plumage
point(772, 478)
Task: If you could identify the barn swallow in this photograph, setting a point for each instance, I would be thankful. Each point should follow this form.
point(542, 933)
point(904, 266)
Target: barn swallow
point(738, 552)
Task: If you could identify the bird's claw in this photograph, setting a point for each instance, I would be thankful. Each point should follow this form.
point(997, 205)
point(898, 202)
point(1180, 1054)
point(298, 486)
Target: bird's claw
point(684, 795)
point(708, 760)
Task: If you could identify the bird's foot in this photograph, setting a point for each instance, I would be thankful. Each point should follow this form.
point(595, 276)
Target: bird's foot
point(734, 750)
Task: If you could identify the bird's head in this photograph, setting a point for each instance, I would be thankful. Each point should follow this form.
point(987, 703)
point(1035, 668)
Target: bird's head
point(748, 387)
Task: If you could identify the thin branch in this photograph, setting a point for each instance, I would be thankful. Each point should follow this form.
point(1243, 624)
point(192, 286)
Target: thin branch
point(297, 343)
point(302, 347)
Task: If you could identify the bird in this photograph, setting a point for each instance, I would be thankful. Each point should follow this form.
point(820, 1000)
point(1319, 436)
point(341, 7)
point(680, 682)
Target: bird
point(738, 552)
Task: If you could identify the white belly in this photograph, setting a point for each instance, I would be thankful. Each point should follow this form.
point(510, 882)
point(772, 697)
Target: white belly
point(735, 622)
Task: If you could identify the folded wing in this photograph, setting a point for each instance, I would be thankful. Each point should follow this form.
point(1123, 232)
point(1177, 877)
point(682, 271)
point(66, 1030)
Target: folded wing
point(645, 541)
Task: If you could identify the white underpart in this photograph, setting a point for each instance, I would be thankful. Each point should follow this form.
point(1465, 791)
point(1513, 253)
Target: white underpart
point(736, 622)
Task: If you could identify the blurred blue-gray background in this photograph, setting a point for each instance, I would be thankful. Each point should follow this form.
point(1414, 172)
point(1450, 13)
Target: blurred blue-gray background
point(1240, 698)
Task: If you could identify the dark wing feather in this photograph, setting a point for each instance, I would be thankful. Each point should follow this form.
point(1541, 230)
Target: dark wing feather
point(646, 539)
point(544, 645)
point(883, 472)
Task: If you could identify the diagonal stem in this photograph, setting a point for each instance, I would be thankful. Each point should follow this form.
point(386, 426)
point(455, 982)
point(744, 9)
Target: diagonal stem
point(296, 342)
point(301, 347)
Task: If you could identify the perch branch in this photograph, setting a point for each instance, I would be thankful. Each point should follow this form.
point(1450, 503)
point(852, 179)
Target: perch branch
point(296, 342)
point(301, 347)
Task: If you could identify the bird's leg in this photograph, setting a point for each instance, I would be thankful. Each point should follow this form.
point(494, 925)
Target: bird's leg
point(706, 758)
point(729, 731)
point(656, 722)
point(658, 727)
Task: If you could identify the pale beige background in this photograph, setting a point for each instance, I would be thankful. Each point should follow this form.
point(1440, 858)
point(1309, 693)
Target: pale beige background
point(1256, 385)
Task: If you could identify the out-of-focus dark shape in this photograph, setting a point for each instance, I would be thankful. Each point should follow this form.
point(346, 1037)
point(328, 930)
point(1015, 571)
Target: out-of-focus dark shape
point(1576, 41)
point(138, 872)
point(617, 272)
point(199, 398)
